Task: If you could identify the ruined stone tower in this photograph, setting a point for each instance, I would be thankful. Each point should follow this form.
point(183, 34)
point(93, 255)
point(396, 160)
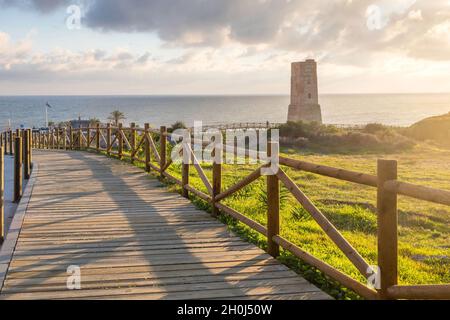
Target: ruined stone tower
point(304, 93)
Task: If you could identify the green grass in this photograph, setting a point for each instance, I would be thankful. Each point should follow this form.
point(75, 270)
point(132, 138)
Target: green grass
point(424, 244)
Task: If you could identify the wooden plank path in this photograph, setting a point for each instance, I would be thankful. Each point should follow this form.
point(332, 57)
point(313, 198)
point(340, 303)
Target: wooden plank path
point(132, 239)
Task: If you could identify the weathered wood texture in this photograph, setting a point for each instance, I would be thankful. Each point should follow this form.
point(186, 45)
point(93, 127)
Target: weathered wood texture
point(132, 240)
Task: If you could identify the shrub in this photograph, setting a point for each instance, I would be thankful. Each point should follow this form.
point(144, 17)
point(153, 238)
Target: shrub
point(177, 125)
point(435, 129)
point(373, 138)
point(373, 128)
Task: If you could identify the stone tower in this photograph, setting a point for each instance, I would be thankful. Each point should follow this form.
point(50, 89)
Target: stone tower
point(304, 93)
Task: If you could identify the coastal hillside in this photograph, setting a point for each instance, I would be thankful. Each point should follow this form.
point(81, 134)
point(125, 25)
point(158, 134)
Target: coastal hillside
point(436, 129)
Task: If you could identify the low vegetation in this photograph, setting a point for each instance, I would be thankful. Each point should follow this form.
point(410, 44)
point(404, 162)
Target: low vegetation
point(373, 138)
point(424, 250)
point(177, 125)
point(434, 129)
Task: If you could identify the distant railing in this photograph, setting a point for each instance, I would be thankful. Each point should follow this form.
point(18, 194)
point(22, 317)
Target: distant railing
point(267, 125)
point(151, 148)
point(241, 125)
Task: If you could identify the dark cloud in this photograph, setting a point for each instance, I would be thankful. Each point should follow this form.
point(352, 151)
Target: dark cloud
point(334, 29)
point(196, 21)
point(40, 5)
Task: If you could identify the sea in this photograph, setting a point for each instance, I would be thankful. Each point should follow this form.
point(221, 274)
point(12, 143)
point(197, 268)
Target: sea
point(342, 109)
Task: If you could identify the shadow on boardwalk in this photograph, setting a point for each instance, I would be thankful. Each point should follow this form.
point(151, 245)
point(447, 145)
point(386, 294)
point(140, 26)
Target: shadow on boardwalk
point(132, 240)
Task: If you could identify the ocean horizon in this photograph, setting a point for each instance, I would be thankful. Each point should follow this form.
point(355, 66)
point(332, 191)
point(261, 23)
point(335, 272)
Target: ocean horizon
point(339, 109)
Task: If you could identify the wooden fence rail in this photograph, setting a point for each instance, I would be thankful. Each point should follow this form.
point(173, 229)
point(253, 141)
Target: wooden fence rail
point(139, 146)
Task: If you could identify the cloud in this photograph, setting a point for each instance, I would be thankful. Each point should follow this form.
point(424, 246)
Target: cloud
point(331, 29)
point(215, 40)
point(13, 53)
point(40, 5)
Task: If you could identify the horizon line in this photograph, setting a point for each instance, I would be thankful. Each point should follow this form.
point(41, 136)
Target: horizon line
point(215, 94)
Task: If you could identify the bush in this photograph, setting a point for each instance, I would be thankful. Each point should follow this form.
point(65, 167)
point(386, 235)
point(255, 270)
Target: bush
point(306, 129)
point(374, 128)
point(435, 129)
point(372, 138)
point(177, 125)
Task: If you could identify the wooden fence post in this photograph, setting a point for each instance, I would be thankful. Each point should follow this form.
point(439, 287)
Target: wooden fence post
point(185, 167)
point(52, 133)
point(65, 138)
point(11, 143)
point(163, 149)
point(120, 141)
point(387, 227)
point(97, 138)
point(88, 138)
point(217, 175)
point(2, 193)
point(26, 155)
point(273, 207)
point(5, 142)
point(30, 149)
point(17, 169)
point(71, 140)
point(108, 139)
point(58, 141)
point(80, 138)
point(133, 140)
point(147, 148)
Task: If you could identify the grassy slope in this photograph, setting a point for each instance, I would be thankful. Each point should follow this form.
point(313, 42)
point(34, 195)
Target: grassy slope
point(424, 245)
point(424, 242)
point(436, 129)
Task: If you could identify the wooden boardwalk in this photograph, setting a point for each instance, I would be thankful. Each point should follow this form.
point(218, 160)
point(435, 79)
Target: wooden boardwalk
point(132, 240)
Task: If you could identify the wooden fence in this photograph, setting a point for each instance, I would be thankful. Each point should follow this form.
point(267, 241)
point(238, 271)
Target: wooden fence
point(16, 143)
point(151, 148)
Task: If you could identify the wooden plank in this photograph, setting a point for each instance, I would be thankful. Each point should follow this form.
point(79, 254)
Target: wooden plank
point(423, 292)
point(234, 288)
point(132, 240)
point(238, 186)
point(196, 266)
point(418, 192)
point(180, 276)
point(114, 281)
point(196, 295)
point(327, 269)
point(350, 252)
point(340, 174)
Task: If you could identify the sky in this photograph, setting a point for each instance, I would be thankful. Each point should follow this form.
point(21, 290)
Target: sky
point(163, 47)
